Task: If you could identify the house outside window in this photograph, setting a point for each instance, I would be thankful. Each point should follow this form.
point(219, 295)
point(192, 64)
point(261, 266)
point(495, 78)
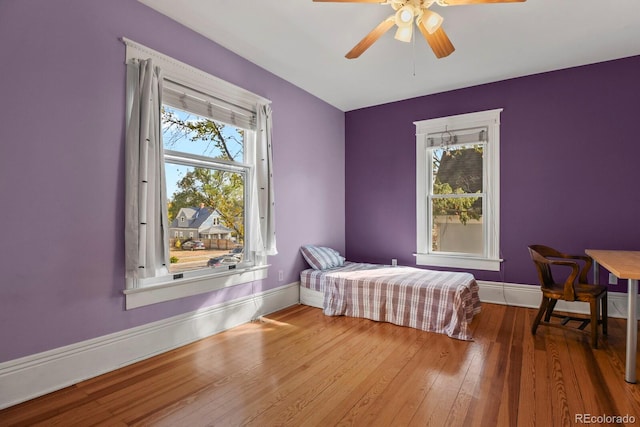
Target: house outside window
point(457, 163)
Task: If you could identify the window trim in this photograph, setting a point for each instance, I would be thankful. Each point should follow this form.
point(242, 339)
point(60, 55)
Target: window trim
point(202, 280)
point(192, 77)
point(167, 291)
point(491, 237)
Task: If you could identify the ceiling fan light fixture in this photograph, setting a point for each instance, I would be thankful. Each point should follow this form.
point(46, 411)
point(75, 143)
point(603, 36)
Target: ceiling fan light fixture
point(404, 16)
point(431, 20)
point(404, 33)
point(404, 21)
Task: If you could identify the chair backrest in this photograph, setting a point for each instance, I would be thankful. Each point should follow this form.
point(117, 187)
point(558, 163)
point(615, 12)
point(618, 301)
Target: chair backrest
point(544, 257)
point(539, 254)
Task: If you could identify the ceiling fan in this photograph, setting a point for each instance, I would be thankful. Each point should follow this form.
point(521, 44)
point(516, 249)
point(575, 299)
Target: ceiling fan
point(406, 13)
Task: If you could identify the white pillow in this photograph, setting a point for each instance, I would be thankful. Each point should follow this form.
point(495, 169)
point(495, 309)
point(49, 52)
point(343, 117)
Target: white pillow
point(321, 258)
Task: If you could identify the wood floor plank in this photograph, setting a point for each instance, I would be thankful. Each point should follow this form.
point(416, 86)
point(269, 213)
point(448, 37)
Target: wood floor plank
point(401, 388)
point(298, 387)
point(543, 415)
point(528, 392)
point(230, 396)
point(43, 408)
point(298, 367)
point(350, 397)
point(438, 403)
point(485, 406)
point(462, 401)
point(86, 414)
point(382, 371)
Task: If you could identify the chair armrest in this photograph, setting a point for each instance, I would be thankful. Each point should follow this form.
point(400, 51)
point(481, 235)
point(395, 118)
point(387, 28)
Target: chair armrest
point(588, 262)
point(569, 290)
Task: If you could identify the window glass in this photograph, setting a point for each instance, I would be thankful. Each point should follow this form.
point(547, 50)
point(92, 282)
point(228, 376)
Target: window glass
point(206, 185)
point(456, 218)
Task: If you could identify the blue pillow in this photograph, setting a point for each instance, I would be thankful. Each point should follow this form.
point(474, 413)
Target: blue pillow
point(321, 258)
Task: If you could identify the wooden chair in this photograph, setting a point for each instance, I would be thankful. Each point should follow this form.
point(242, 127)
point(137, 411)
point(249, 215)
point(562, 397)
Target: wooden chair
point(544, 258)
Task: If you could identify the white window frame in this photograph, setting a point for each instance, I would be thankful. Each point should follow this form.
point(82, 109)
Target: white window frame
point(490, 259)
point(174, 286)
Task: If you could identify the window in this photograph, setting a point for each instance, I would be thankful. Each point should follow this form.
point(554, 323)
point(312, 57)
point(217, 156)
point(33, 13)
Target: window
point(206, 180)
point(214, 176)
point(458, 191)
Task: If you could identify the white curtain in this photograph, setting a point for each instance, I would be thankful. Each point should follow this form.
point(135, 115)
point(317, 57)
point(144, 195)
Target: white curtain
point(263, 241)
point(146, 222)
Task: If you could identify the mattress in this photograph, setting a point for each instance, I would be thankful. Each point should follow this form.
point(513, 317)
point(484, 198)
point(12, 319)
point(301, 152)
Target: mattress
point(436, 301)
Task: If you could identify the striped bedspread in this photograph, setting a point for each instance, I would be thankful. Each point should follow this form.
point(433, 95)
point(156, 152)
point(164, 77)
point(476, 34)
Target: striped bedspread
point(435, 301)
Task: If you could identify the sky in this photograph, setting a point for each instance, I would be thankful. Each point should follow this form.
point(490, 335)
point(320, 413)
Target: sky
point(175, 141)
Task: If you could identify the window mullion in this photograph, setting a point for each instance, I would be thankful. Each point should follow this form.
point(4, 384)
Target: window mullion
point(188, 159)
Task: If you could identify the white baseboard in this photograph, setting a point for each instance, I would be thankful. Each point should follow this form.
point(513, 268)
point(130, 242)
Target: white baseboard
point(530, 296)
point(35, 375)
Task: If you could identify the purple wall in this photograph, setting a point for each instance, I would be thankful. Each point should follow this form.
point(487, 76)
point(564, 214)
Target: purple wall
point(62, 159)
point(570, 155)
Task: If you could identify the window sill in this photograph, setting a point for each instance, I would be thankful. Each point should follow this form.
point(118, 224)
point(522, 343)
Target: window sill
point(141, 297)
point(457, 261)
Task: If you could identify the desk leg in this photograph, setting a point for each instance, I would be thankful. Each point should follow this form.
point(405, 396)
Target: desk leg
point(632, 332)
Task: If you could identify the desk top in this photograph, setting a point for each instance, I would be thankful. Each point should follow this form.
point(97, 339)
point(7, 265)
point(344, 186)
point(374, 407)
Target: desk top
point(624, 264)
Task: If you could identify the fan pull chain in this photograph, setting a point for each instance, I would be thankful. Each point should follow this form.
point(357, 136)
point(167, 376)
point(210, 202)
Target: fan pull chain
point(413, 54)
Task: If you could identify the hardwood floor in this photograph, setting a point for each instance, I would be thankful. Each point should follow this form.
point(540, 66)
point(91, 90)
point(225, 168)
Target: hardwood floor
point(298, 367)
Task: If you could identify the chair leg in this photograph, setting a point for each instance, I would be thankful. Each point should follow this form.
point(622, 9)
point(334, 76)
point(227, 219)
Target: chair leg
point(605, 315)
point(543, 307)
point(552, 306)
point(595, 316)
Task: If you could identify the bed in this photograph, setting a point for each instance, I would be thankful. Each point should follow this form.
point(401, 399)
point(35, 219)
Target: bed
point(435, 301)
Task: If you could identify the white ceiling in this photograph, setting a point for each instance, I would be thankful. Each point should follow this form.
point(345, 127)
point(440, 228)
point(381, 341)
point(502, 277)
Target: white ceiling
point(305, 42)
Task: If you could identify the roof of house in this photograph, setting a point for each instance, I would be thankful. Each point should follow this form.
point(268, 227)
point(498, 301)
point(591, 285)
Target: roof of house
point(195, 216)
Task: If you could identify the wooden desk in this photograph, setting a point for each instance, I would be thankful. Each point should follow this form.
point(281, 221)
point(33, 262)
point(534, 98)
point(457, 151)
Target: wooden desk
point(625, 265)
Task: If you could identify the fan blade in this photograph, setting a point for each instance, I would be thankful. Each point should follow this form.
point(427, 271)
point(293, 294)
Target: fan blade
point(464, 2)
point(371, 38)
point(351, 1)
point(439, 42)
